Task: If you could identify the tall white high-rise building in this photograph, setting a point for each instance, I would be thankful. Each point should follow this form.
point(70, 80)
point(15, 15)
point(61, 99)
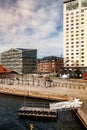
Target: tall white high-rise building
point(75, 33)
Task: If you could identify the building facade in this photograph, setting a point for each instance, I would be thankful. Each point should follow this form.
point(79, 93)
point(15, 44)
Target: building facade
point(50, 64)
point(22, 61)
point(75, 34)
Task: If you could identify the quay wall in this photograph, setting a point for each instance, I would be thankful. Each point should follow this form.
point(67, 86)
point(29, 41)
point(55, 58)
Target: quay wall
point(81, 115)
point(33, 94)
point(42, 95)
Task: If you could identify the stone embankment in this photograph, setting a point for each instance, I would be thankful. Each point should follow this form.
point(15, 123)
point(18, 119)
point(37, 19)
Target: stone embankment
point(5, 89)
point(66, 90)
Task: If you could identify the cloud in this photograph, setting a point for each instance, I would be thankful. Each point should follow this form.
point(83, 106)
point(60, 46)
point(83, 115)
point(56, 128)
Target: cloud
point(32, 24)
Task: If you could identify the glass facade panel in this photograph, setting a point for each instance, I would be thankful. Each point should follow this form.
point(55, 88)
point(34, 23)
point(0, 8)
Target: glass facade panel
point(72, 5)
point(84, 3)
point(19, 60)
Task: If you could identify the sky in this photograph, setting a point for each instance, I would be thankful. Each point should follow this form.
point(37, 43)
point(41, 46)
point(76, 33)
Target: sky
point(32, 24)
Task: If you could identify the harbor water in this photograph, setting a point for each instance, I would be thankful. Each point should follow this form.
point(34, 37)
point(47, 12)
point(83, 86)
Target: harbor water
point(9, 119)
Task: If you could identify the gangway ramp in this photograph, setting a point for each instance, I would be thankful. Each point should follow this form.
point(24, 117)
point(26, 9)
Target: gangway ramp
point(73, 104)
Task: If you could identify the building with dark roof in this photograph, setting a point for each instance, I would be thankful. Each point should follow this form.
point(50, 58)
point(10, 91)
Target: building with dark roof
point(20, 60)
point(49, 64)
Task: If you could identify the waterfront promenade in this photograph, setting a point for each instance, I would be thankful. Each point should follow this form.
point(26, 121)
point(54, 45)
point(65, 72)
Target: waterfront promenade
point(60, 89)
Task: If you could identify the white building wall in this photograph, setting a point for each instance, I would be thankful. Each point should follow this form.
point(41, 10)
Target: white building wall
point(75, 34)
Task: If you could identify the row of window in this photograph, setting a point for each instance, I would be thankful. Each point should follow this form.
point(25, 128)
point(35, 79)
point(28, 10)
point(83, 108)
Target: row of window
point(75, 17)
point(72, 39)
point(82, 34)
point(74, 65)
point(67, 43)
point(77, 62)
point(72, 20)
point(77, 31)
point(72, 24)
point(76, 54)
point(77, 12)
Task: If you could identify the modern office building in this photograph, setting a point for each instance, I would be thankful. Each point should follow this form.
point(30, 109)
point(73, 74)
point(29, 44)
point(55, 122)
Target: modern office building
point(75, 34)
point(20, 60)
point(49, 64)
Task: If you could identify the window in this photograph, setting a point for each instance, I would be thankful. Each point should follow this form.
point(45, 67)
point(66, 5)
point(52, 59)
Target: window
point(77, 23)
point(82, 15)
point(77, 38)
point(77, 27)
point(84, 3)
point(82, 49)
point(71, 13)
point(82, 60)
point(67, 36)
point(82, 22)
point(67, 14)
point(67, 57)
point(72, 24)
point(72, 21)
point(67, 28)
point(82, 41)
point(77, 34)
point(82, 30)
point(82, 34)
point(82, 37)
point(82, 18)
point(67, 25)
point(67, 17)
point(82, 53)
point(77, 16)
point(77, 31)
point(67, 46)
point(82, 11)
point(77, 50)
point(77, 19)
point(77, 45)
point(82, 64)
point(82, 45)
point(77, 42)
point(72, 28)
point(77, 12)
point(67, 53)
point(77, 53)
point(72, 31)
point(82, 57)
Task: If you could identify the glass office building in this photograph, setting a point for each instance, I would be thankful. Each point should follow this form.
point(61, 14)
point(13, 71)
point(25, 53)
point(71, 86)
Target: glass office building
point(22, 61)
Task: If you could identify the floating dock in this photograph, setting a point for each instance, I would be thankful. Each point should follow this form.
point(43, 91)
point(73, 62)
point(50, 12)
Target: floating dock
point(38, 111)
